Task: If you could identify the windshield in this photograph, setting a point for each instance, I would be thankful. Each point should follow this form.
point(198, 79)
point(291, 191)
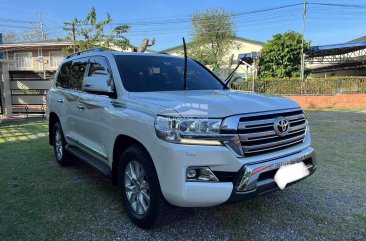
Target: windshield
point(142, 73)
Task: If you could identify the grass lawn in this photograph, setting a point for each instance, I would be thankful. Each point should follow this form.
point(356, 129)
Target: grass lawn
point(40, 200)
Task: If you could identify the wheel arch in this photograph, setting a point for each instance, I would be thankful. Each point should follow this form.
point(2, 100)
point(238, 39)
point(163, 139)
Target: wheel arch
point(121, 143)
point(53, 119)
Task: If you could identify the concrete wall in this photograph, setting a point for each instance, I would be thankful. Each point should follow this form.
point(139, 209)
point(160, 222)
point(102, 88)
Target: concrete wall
point(331, 101)
point(5, 90)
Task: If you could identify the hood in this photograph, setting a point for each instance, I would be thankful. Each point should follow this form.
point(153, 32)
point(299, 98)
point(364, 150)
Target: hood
point(212, 103)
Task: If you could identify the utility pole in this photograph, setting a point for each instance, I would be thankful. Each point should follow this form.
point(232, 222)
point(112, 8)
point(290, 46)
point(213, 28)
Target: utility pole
point(73, 36)
point(43, 36)
point(302, 68)
point(72, 27)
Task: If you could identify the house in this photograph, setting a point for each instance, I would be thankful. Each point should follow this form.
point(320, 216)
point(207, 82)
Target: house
point(26, 72)
point(242, 46)
point(38, 56)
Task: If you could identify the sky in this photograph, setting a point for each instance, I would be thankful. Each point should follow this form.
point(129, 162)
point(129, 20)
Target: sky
point(169, 21)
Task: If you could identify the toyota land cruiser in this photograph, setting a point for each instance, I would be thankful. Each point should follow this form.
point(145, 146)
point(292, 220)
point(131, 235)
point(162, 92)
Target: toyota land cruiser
point(170, 133)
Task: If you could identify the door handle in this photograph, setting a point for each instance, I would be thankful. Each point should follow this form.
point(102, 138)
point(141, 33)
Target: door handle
point(60, 100)
point(80, 107)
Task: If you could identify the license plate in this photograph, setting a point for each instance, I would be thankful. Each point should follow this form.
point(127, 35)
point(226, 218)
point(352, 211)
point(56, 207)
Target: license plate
point(290, 173)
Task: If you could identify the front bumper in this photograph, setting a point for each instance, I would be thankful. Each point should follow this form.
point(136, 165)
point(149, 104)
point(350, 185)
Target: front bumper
point(172, 160)
point(258, 179)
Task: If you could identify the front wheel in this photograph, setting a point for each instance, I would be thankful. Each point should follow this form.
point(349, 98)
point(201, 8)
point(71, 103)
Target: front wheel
point(140, 189)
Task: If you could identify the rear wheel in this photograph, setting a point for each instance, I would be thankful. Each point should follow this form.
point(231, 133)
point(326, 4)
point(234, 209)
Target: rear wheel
point(140, 189)
point(62, 156)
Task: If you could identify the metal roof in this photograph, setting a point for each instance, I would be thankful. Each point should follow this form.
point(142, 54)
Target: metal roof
point(334, 49)
point(43, 43)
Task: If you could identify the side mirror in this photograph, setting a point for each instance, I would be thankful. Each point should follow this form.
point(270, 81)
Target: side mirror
point(99, 84)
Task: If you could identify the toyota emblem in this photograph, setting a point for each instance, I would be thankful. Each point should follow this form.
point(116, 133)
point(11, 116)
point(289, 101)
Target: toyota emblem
point(281, 126)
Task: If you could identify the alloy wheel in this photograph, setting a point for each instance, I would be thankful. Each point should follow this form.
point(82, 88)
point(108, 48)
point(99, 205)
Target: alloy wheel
point(58, 145)
point(137, 187)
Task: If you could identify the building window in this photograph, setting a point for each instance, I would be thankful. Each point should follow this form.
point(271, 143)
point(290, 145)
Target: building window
point(23, 60)
point(56, 58)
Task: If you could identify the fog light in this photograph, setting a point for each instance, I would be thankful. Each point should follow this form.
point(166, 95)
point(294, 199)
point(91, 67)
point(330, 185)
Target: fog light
point(191, 173)
point(200, 174)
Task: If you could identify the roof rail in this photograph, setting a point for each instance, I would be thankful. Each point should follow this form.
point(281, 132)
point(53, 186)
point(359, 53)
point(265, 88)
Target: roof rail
point(85, 51)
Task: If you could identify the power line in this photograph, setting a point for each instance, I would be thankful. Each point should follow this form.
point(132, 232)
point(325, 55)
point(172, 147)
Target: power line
point(14, 26)
point(9, 20)
point(175, 20)
point(338, 5)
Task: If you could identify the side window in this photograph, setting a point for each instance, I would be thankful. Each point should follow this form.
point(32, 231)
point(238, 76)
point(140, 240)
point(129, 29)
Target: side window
point(63, 76)
point(99, 66)
point(77, 73)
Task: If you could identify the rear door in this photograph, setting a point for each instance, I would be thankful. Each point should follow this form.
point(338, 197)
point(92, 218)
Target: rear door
point(94, 126)
point(68, 91)
point(64, 99)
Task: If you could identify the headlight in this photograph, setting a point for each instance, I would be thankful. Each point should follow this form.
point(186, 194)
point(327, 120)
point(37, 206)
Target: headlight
point(189, 131)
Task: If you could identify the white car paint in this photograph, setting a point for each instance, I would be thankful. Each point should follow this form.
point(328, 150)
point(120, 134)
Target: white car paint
point(133, 115)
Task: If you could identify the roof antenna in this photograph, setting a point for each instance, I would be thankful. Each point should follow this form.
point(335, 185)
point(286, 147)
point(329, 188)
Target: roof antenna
point(228, 79)
point(185, 63)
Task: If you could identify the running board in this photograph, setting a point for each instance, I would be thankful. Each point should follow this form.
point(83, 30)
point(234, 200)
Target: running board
point(89, 159)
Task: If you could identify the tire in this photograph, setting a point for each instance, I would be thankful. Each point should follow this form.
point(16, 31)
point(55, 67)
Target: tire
point(63, 157)
point(157, 210)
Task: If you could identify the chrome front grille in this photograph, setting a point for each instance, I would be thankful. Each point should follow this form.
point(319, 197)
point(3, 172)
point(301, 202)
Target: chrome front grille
point(257, 134)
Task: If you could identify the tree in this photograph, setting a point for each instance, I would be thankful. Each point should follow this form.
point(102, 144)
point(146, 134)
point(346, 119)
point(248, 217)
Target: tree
point(32, 35)
point(144, 44)
point(281, 56)
point(9, 37)
point(88, 33)
point(213, 35)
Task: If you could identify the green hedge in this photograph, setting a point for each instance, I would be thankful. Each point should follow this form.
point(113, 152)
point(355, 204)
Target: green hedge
point(308, 87)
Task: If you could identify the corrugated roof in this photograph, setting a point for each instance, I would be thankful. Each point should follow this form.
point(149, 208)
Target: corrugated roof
point(334, 49)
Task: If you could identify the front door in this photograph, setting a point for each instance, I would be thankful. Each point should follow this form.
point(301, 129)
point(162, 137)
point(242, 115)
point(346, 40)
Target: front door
point(94, 122)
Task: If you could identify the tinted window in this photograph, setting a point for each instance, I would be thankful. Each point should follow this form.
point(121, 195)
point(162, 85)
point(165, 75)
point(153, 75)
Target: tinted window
point(152, 73)
point(77, 73)
point(64, 75)
point(98, 66)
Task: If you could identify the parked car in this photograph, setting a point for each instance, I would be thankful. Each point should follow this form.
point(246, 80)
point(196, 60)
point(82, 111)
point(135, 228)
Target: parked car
point(170, 134)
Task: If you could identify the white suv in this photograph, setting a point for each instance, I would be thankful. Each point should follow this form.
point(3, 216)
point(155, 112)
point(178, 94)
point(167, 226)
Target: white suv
point(170, 133)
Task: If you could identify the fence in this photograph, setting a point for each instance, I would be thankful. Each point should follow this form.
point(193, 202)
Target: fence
point(308, 87)
point(28, 92)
